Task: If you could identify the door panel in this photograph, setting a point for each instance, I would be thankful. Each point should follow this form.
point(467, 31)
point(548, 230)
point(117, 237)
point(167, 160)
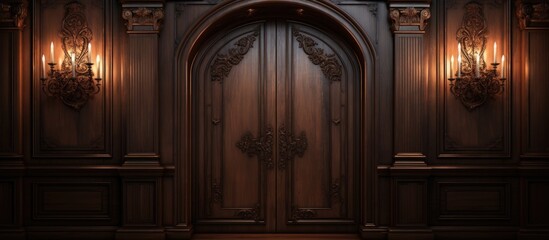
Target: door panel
point(275, 150)
point(314, 184)
point(232, 118)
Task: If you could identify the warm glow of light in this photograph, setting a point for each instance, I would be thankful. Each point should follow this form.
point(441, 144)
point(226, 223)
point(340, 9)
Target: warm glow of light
point(52, 58)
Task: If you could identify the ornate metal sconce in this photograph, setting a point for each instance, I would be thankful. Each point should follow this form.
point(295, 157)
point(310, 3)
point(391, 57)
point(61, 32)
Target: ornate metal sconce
point(73, 82)
point(473, 84)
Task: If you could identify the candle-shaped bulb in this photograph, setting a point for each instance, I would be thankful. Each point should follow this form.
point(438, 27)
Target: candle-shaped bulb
point(43, 66)
point(98, 69)
point(459, 66)
point(502, 66)
point(495, 51)
point(73, 63)
point(52, 60)
point(452, 66)
point(89, 52)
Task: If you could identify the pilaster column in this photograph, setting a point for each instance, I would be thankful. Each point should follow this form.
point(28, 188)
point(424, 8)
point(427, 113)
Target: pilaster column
point(141, 170)
point(409, 21)
point(12, 23)
point(140, 81)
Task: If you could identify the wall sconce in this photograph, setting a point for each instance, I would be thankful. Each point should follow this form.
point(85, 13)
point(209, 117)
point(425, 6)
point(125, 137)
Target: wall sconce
point(73, 81)
point(473, 84)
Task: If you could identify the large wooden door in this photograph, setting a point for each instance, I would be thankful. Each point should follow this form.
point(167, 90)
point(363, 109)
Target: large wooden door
point(276, 131)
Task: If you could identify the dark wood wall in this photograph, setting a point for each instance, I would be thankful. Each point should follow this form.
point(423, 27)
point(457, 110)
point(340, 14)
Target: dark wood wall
point(118, 167)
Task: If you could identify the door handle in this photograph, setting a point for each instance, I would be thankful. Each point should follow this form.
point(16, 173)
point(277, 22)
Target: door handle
point(261, 146)
point(290, 146)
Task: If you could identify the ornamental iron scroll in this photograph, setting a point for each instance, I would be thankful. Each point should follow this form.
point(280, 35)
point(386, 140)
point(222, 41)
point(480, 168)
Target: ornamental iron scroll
point(73, 82)
point(224, 62)
point(331, 68)
point(75, 37)
point(475, 84)
point(290, 146)
point(261, 146)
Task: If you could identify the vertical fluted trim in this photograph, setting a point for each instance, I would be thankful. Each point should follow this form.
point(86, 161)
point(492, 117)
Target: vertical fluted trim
point(410, 88)
point(141, 96)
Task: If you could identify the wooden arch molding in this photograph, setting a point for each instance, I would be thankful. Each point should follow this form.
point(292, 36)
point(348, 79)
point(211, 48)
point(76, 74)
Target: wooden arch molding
point(231, 13)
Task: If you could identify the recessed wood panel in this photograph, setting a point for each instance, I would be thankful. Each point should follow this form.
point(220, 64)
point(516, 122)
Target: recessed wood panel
point(73, 201)
point(410, 201)
point(7, 92)
point(535, 100)
point(59, 130)
point(483, 131)
point(537, 207)
point(468, 202)
point(7, 202)
point(140, 202)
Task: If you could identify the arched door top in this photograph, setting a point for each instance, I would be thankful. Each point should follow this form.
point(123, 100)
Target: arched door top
point(316, 12)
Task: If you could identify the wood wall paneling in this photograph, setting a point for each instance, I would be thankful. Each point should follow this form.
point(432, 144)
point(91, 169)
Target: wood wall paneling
point(60, 131)
point(10, 93)
point(535, 130)
point(410, 89)
point(140, 82)
point(536, 210)
point(410, 203)
point(9, 202)
point(140, 204)
point(484, 131)
point(70, 202)
point(409, 21)
point(471, 202)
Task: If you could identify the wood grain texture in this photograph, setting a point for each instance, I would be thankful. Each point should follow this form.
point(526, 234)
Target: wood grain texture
point(535, 142)
point(141, 97)
point(9, 42)
point(463, 202)
point(536, 211)
point(59, 131)
point(140, 202)
point(410, 89)
point(8, 202)
point(485, 131)
point(73, 202)
point(410, 203)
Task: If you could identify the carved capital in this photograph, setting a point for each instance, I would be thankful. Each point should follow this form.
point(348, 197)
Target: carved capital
point(409, 18)
point(533, 14)
point(13, 14)
point(143, 18)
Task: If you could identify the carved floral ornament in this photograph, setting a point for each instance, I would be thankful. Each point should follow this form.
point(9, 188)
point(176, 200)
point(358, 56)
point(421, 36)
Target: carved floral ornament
point(143, 18)
point(409, 18)
point(13, 14)
point(533, 14)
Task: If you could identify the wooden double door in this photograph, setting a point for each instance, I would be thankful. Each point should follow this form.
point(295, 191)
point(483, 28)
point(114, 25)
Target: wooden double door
point(276, 131)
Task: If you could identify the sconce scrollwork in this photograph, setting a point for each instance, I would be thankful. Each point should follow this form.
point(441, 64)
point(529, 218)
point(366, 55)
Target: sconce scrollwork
point(473, 83)
point(74, 81)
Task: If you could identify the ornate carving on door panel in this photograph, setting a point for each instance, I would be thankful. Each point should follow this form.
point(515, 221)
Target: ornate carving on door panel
point(217, 192)
point(252, 213)
point(223, 64)
point(335, 191)
point(328, 62)
point(261, 146)
point(290, 146)
point(302, 213)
